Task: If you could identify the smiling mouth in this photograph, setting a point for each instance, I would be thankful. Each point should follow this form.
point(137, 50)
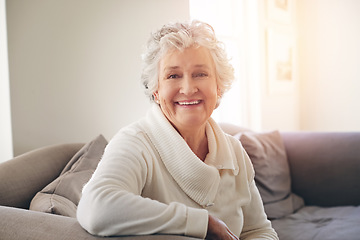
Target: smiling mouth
point(188, 103)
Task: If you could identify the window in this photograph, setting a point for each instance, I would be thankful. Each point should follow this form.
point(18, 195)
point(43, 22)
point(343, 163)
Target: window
point(230, 19)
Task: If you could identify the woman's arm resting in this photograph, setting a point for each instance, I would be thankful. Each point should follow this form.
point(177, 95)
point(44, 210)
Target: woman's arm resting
point(111, 202)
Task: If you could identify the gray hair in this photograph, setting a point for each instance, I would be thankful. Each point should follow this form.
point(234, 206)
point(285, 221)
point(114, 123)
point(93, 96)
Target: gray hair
point(181, 36)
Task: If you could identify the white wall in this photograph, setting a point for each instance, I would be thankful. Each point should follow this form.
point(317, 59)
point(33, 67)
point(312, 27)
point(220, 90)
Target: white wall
point(6, 151)
point(329, 37)
point(75, 66)
point(279, 104)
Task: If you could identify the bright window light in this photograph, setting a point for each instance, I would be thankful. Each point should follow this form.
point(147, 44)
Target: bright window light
point(226, 19)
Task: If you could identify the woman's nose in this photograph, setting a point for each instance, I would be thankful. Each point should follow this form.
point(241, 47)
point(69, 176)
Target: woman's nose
point(188, 86)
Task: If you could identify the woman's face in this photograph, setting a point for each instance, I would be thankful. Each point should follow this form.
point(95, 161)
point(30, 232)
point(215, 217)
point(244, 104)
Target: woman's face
point(187, 90)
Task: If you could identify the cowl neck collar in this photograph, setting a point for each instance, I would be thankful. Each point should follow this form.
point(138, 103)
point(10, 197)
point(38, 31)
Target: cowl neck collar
point(199, 180)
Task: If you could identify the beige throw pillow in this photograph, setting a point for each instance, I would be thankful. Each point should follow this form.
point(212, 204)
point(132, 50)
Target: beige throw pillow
point(272, 172)
point(63, 194)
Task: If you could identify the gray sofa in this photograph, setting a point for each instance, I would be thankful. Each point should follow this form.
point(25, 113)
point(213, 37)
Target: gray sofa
point(320, 200)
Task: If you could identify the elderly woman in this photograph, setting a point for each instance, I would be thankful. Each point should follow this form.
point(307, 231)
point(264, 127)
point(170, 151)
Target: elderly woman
point(176, 171)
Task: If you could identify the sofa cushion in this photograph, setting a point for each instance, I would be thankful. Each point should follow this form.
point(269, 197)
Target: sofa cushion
point(320, 223)
point(63, 194)
point(272, 173)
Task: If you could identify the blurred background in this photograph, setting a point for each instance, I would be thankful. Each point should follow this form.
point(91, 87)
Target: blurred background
point(70, 69)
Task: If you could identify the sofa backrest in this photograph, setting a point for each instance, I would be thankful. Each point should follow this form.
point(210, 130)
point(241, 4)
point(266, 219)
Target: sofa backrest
point(325, 166)
point(22, 177)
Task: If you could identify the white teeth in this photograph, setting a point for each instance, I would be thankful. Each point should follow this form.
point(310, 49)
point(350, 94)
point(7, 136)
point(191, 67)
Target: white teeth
point(189, 103)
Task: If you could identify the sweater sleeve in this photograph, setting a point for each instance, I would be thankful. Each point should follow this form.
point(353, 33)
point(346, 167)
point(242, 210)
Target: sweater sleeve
point(256, 224)
point(111, 202)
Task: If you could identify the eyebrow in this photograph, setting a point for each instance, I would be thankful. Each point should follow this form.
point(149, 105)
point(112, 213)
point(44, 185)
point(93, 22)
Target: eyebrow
point(171, 68)
point(196, 66)
point(201, 66)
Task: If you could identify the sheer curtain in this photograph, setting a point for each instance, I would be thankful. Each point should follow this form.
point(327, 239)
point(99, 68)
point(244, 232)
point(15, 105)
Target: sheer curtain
point(232, 21)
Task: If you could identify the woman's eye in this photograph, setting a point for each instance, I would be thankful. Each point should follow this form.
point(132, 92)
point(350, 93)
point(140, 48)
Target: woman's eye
point(173, 76)
point(201, 74)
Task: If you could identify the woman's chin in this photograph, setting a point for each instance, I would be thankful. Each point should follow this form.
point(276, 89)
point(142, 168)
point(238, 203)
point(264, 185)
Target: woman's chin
point(192, 122)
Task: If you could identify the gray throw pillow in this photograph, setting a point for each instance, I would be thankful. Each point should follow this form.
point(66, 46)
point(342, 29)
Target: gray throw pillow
point(272, 172)
point(63, 194)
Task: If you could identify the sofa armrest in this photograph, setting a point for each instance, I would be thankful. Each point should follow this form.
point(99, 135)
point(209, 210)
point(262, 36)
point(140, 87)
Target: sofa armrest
point(23, 176)
point(25, 224)
point(325, 166)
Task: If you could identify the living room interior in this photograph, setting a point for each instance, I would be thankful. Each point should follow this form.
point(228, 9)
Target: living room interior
point(70, 72)
point(74, 66)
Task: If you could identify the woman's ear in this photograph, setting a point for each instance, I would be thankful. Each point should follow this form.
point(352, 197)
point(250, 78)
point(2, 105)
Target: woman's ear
point(156, 97)
point(218, 93)
point(218, 98)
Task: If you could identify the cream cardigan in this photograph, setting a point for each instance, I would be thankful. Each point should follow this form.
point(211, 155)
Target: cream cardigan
point(149, 181)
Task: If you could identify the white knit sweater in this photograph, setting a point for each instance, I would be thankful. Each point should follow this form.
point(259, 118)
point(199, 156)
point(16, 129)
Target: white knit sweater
point(149, 181)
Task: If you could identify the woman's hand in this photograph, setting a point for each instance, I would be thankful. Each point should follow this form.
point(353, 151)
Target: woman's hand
point(217, 230)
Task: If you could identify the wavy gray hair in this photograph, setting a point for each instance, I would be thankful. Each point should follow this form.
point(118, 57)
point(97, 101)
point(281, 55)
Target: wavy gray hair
point(181, 36)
